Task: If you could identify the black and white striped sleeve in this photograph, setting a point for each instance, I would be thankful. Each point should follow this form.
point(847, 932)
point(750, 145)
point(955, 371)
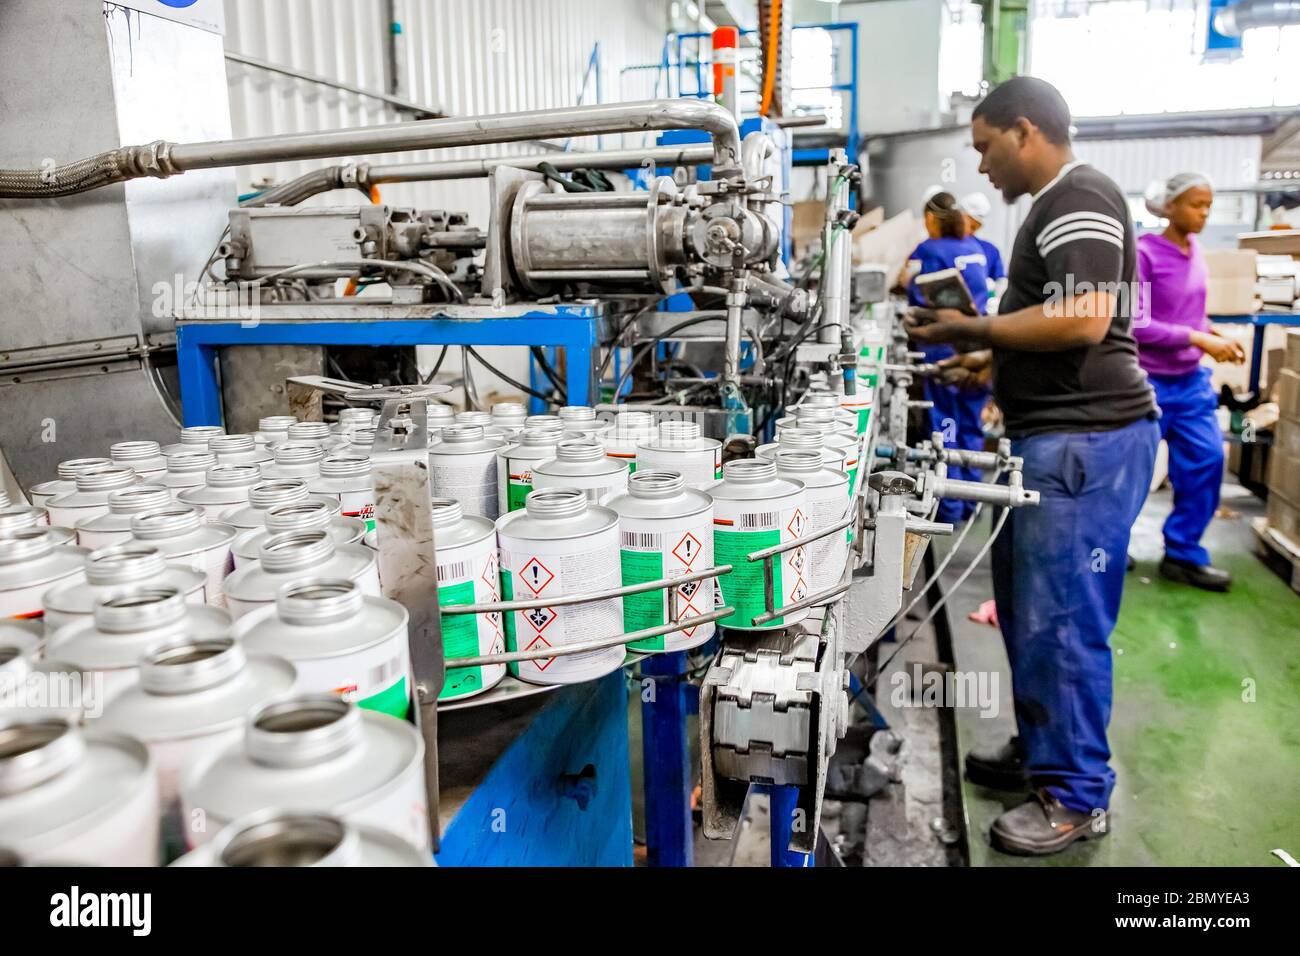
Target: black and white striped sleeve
point(1083, 238)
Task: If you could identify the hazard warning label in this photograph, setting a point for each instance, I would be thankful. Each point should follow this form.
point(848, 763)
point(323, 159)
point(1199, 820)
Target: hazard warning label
point(797, 522)
point(687, 549)
point(535, 575)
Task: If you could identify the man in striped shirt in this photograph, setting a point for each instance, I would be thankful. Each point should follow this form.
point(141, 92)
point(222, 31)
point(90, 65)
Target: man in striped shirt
point(1080, 412)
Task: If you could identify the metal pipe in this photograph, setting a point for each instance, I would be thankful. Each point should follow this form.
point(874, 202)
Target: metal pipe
point(565, 162)
point(1234, 20)
point(567, 599)
point(836, 242)
point(395, 101)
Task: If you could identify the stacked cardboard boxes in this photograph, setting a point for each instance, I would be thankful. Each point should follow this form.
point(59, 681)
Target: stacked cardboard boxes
point(1284, 472)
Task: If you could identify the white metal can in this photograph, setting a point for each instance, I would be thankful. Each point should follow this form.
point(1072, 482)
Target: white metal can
point(313, 752)
point(342, 642)
point(561, 544)
point(31, 564)
point(90, 500)
point(273, 428)
point(186, 469)
point(308, 433)
point(347, 478)
point(297, 556)
point(804, 439)
point(111, 570)
point(629, 431)
point(261, 498)
point(680, 447)
point(294, 460)
point(224, 487)
point(582, 463)
point(469, 572)
point(826, 502)
point(463, 465)
point(238, 450)
point(582, 420)
point(438, 416)
point(119, 631)
point(144, 457)
point(183, 539)
point(315, 513)
point(194, 438)
point(754, 509)
point(34, 519)
point(278, 837)
point(40, 494)
point(114, 527)
point(509, 417)
point(834, 437)
point(192, 698)
point(74, 798)
point(665, 531)
point(515, 462)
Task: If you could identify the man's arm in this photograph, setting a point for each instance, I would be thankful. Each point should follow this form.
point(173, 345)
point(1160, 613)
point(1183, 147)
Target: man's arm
point(1050, 327)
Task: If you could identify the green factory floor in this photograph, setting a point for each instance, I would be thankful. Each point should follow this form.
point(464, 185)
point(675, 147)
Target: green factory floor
point(1205, 732)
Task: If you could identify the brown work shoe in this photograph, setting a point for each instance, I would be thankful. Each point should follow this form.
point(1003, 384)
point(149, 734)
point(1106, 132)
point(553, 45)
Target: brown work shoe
point(1042, 825)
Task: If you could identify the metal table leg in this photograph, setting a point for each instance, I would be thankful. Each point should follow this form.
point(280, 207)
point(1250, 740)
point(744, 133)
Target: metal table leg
point(669, 835)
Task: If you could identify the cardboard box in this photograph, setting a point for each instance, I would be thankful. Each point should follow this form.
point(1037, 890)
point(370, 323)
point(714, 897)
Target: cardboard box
point(1284, 516)
point(1231, 286)
point(1280, 242)
point(1286, 438)
point(1291, 359)
point(1288, 397)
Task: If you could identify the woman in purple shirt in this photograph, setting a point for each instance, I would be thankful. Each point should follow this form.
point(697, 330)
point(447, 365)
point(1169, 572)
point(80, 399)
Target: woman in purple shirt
point(1173, 334)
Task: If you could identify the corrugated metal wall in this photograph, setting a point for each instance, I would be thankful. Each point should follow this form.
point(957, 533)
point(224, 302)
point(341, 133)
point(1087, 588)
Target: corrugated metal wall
point(1232, 162)
point(463, 57)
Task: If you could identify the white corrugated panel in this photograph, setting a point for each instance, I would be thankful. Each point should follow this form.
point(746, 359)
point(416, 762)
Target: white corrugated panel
point(463, 57)
point(1231, 162)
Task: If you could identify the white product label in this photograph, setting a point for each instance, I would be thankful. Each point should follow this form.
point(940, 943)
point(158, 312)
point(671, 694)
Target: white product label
point(652, 549)
point(551, 568)
point(367, 580)
point(374, 677)
point(827, 556)
point(24, 602)
point(470, 574)
point(359, 504)
point(743, 527)
point(470, 479)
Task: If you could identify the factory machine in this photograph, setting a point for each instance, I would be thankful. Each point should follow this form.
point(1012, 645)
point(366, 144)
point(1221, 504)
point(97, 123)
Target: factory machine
point(682, 287)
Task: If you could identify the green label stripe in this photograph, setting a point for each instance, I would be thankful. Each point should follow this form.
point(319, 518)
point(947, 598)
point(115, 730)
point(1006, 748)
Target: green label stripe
point(459, 639)
point(508, 619)
point(392, 700)
point(743, 587)
point(647, 609)
point(516, 492)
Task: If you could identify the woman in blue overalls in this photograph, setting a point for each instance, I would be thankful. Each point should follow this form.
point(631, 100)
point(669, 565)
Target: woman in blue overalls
point(957, 413)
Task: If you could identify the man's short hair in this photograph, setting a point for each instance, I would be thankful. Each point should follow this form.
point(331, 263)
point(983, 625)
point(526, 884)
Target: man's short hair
point(1036, 100)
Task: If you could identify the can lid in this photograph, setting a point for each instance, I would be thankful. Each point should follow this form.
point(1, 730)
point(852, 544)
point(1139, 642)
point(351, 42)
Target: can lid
point(579, 449)
point(276, 837)
point(226, 475)
point(543, 420)
point(350, 417)
point(134, 450)
point(232, 445)
point(26, 544)
point(200, 434)
point(295, 549)
point(541, 435)
point(655, 484)
point(577, 413)
point(801, 438)
point(302, 730)
point(308, 432)
point(319, 601)
point(310, 514)
point(679, 434)
point(168, 522)
point(68, 470)
point(15, 519)
point(133, 500)
point(121, 563)
point(509, 410)
point(447, 512)
point(275, 423)
point(749, 470)
point(550, 503)
point(190, 461)
point(139, 609)
point(297, 453)
point(473, 418)
point(106, 478)
point(462, 434)
point(190, 664)
point(278, 491)
point(362, 437)
point(799, 462)
point(345, 466)
point(34, 751)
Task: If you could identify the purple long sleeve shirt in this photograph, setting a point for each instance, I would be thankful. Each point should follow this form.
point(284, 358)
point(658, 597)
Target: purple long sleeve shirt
point(1170, 305)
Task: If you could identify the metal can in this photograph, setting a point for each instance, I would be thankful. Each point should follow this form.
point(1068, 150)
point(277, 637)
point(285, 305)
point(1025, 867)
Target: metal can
point(804, 439)
point(438, 416)
point(293, 460)
point(224, 487)
point(342, 642)
point(463, 465)
point(40, 495)
point(308, 433)
point(474, 417)
point(753, 509)
point(31, 564)
point(238, 450)
point(186, 469)
point(352, 418)
point(115, 526)
point(111, 570)
point(582, 420)
point(311, 514)
point(313, 752)
point(296, 556)
point(469, 572)
point(680, 447)
point(509, 417)
point(361, 441)
point(515, 462)
point(630, 430)
point(261, 498)
point(561, 544)
point(144, 457)
point(13, 520)
point(826, 502)
point(192, 698)
point(91, 497)
point(77, 798)
point(582, 463)
point(123, 627)
point(194, 438)
point(183, 539)
point(834, 437)
point(665, 531)
point(347, 479)
point(844, 422)
point(298, 838)
point(273, 428)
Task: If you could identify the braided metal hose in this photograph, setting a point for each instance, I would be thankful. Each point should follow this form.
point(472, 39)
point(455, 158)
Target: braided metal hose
point(114, 166)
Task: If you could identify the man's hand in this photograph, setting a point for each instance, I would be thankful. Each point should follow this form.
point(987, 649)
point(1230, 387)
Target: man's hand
point(1219, 348)
point(968, 370)
point(933, 326)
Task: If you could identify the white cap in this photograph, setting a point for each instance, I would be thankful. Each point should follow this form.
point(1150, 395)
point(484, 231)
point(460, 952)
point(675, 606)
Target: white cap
point(930, 193)
point(976, 205)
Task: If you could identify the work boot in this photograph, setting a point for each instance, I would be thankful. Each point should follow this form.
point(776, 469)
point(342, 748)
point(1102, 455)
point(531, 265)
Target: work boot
point(999, 768)
point(1042, 825)
point(1203, 576)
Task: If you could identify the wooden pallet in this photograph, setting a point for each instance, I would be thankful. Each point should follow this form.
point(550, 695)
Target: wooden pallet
point(1278, 551)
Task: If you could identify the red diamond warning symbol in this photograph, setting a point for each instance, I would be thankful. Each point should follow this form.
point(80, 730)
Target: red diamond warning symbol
point(491, 575)
point(539, 618)
point(798, 559)
point(535, 575)
point(689, 611)
point(687, 548)
point(688, 590)
point(540, 641)
point(797, 521)
point(798, 592)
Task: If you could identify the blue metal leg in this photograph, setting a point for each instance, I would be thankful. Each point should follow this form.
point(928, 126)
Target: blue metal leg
point(200, 390)
point(666, 758)
point(784, 802)
point(580, 366)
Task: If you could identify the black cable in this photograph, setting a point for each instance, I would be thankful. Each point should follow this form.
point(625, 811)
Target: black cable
point(436, 365)
point(540, 355)
point(641, 353)
point(507, 379)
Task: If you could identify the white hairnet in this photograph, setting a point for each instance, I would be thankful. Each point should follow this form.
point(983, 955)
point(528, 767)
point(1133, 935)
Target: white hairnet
point(1164, 191)
point(976, 205)
point(930, 193)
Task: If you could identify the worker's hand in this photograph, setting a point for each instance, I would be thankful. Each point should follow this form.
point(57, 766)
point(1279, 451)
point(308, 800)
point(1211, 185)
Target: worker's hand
point(968, 370)
point(932, 326)
point(1219, 348)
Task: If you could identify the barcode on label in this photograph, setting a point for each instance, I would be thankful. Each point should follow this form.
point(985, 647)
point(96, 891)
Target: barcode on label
point(453, 571)
point(641, 540)
point(757, 521)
